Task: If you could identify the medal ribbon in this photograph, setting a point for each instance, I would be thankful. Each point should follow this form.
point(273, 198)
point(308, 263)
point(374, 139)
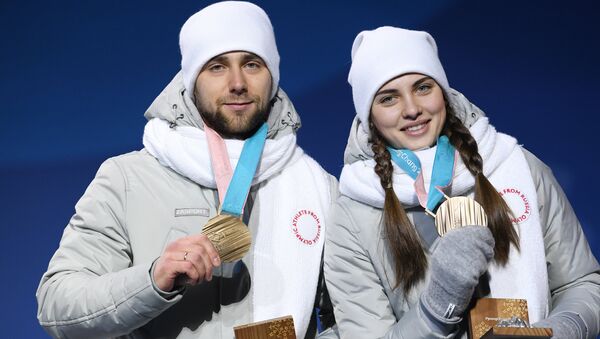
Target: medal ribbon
point(441, 176)
point(219, 159)
point(236, 183)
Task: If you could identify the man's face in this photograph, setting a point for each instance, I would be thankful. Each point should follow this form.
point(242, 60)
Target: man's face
point(232, 94)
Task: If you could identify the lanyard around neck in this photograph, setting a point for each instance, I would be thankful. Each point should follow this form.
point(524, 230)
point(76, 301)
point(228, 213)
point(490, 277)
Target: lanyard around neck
point(441, 176)
point(236, 183)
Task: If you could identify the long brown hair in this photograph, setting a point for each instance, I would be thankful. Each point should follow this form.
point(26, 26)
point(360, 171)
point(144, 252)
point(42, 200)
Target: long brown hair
point(410, 261)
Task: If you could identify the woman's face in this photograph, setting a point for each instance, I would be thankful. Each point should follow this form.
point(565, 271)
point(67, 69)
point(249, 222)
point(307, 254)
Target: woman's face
point(409, 111)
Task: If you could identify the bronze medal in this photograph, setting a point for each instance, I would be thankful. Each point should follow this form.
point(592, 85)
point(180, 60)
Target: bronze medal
point(229, 235)
point(457, 212)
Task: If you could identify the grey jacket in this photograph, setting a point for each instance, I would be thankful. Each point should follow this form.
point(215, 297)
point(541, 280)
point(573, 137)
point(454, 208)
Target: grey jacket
point(359, 269)
point(98, 283)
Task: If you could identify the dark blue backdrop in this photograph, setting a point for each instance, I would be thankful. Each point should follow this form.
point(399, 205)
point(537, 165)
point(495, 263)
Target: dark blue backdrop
point(76, 77)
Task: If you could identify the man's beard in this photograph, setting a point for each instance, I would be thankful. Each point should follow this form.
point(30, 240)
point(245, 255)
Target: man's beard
point(238, 126)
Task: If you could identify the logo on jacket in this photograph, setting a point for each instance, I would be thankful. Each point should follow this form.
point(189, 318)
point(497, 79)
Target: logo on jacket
point(306, 227)
point(190, 212)
point(518, 203)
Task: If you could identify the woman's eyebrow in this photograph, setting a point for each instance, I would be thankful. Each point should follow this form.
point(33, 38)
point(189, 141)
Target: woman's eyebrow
point(387, 91)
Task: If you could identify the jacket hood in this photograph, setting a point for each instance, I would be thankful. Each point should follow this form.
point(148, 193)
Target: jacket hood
point(174, 106)
point(359, 147)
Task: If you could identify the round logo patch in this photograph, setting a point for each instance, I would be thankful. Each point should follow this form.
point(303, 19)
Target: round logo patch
point(306, 227)
point(518, 203)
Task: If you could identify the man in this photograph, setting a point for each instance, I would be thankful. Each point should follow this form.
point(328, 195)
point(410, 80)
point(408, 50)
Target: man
point(133, 261)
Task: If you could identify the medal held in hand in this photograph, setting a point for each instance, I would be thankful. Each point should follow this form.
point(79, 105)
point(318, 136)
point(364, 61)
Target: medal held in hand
point(457, 212)
point(226, 231)
point(229, 235)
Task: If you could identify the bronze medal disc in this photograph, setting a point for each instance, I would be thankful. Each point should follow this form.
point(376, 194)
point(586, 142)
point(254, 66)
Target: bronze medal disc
point(457, 212)
point(230, 236)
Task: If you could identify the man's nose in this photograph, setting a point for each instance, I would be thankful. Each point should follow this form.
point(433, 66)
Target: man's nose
point(237, 81)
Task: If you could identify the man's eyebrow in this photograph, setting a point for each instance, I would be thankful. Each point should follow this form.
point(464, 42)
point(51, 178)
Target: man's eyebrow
point(420, 81)
point(251, 57)
point(219, 58)
point(224, 59)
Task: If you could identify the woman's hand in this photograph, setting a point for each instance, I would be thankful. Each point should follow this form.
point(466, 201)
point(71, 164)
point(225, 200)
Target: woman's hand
point(460, 259)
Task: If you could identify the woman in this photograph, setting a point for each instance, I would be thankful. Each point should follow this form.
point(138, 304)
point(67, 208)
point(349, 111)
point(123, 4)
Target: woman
point(387, 270)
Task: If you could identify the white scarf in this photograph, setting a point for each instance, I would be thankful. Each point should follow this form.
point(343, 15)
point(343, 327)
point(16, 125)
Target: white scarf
point(525, 276)
point(290, 206)
point(185, 150)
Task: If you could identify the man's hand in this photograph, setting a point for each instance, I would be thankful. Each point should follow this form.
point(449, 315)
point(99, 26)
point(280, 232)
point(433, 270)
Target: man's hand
point(186, 261)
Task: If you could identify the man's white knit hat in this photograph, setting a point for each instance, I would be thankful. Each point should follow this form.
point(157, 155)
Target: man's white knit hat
point(226, 27)
point(385, 53)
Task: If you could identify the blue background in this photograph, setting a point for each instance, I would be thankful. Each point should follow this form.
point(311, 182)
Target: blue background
point(76, 78)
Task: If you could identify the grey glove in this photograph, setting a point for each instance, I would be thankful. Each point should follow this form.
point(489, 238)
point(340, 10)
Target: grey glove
point(565, 325)
point(461, 257)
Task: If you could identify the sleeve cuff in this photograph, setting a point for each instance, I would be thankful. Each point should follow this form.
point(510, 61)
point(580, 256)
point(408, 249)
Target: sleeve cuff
point(442, 326)
point(163, 294)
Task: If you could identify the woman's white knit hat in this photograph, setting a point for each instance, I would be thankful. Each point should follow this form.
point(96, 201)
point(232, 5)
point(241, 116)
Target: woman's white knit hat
point(385, 53)
point(226, 27)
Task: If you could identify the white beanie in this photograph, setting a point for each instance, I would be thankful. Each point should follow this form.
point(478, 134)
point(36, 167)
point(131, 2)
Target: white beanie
point(226, 27)
point(383, 54)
